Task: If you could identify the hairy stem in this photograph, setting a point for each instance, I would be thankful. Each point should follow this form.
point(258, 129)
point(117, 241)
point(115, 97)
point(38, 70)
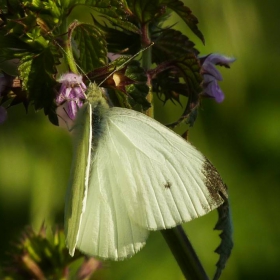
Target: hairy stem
point(68, 49)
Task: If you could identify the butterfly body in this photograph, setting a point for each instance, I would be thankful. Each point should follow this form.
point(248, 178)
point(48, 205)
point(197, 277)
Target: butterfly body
point(130, 174)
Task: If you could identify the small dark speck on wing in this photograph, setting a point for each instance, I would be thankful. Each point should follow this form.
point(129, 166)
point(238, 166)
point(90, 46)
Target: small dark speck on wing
point(167, 185)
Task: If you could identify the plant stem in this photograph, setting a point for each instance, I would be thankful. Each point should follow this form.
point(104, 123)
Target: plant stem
point(176, 238)
point(146, 63)
point(71, 61)
point(184, 253)
point(68, 49)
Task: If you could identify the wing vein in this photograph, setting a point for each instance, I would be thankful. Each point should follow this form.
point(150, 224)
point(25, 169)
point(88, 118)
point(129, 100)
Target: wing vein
point(153, 190)
point(156, 132)
point(186, 190)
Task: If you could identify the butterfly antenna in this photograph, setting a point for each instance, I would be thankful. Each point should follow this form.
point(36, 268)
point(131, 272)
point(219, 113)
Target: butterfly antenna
point(80, 69)
point(117, 68)
point(123, 64)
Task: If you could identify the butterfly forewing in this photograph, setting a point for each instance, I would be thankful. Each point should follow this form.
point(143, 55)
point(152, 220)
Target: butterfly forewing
point(78, 183)
point(152, 156)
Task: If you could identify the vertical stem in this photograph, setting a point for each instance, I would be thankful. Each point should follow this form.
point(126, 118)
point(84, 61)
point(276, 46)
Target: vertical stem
point(68, 49)
point(184, 253)
point(70, 59)
point(147, 62)
point(176, 238)
point(62, 43)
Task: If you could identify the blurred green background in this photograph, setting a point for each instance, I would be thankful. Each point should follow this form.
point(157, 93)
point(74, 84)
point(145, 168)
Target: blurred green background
point(241, 137)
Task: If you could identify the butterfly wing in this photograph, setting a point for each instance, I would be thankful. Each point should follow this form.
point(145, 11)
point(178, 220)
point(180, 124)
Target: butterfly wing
point(107, 230)
point(165, 180)
point(143, 177)
point(78, 182)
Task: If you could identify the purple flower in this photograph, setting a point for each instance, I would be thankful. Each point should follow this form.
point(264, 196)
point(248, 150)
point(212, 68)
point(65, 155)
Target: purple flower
point(211, 75)
point(72, 93)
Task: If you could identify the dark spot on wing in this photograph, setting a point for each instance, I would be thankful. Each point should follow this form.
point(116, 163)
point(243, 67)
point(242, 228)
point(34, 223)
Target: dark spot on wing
point(213, 181)
point(167, 185)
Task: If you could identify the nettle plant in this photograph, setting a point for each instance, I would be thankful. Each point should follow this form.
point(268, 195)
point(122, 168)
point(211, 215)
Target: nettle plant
point(49, 63)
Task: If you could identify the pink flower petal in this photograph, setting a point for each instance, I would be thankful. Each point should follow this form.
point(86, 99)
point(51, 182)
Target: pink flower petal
point(70, 79)
point(219, 59)
point(211, 75)
point(211, 69)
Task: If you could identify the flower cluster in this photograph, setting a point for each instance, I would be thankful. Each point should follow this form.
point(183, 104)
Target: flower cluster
point(72, 92)
point(211, 75)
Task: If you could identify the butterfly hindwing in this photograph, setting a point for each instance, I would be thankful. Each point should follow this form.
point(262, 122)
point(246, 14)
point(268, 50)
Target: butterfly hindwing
point(107, 230)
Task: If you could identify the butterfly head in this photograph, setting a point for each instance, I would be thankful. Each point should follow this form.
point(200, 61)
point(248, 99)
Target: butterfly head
point(96, 95)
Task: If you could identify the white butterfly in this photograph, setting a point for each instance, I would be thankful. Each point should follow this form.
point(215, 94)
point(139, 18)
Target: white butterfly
point(130, 175)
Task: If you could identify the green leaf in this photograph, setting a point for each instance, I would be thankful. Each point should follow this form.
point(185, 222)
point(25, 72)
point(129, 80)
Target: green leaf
point(36, 73)
point(31, 26)
point(7, 54)
point(186, 67)
point(120, 41)
point(49, 12)
point(133, 82)
point(225, 225)
point(138, 90)
point(186, 14)
point(92, 46)
point(171, 44)
point(9, 66)
point(189, 67)
point(49, 7)
point(138, 94)
point(168, 85)
point(10, 41)
point(128, 85)
point(54, 8)
point(10, 5)
point(52, 115)
point(146, 11)
point(110, 8)
point(113, 10)
point(35, 39)
point(65, 4)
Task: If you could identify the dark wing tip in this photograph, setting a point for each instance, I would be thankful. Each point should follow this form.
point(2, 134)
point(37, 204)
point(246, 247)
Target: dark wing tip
point(214, 183)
